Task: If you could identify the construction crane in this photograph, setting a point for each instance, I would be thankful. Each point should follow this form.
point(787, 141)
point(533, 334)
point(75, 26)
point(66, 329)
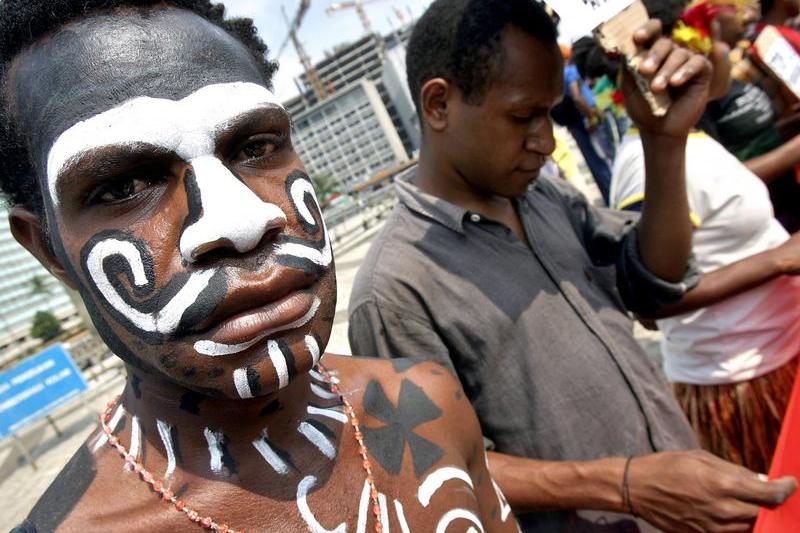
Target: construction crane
point(358, 5)
point(308, 66)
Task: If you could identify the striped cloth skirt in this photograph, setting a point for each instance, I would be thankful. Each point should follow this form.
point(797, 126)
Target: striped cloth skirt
point(740, 422)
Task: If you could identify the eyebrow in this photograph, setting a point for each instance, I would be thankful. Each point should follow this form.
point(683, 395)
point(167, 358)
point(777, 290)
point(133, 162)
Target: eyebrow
point(103, 163)
point(251, 120)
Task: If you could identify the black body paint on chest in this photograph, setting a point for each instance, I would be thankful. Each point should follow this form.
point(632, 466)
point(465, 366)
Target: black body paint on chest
point(387, 443)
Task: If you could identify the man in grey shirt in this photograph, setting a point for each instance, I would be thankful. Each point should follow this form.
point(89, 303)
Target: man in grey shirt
point(522, 289)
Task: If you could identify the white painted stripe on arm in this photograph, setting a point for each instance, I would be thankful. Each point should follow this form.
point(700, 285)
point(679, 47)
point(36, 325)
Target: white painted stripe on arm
point(434, 481)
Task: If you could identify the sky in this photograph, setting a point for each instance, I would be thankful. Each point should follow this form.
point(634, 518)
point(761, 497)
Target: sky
point(320, 32)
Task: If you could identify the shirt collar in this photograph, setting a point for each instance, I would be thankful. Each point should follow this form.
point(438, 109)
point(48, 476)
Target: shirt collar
point(429, 206)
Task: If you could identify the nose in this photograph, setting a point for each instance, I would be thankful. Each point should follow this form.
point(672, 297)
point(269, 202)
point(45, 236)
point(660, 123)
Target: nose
point(540, 137)
point(223, 212)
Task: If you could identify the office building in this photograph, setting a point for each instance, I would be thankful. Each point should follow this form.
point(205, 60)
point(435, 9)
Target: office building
point(19, 301)
point(349, 136)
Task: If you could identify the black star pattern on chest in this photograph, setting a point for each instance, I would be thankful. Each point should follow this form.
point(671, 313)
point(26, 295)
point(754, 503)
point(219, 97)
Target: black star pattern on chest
point(388, 443)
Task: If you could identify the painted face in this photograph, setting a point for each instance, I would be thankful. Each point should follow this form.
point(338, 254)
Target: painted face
point(176, 201)
point(500, 145)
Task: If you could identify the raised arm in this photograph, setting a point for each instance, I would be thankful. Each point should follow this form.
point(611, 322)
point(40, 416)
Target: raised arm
point(665, 230)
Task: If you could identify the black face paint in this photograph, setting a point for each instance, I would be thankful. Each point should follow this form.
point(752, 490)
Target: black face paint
point(116, 267)
point(387, 443)
point(253, 380)
point(227, 459)
point(216, 372)
point(308, 200)
point(291, 366)
point(59, 83)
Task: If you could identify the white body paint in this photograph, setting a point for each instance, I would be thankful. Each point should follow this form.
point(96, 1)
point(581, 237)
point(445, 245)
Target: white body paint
point(363, 509)
point(241, 383)
point(313, 349)
point(165, 320)
point(164, 431)
point(316, 375)
point(273, 459)
point(434, 481)
point(119, 412)
point(319, 440)
point(305, 485)
point(333, 414)
point(322, 393)
point(189, 127)
point(384, 512)
point(401, 516)
point(214, 449)
point(505, 508)
point(455, 514)
point(215, 349)
point(136, 440)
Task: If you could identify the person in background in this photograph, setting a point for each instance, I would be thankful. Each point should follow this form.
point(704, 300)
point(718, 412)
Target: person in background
point(577, 112)
point(519, 287)
point(730, 345)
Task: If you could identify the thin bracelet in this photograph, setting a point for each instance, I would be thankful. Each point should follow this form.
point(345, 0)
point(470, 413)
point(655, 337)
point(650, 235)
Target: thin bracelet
point(626, 492)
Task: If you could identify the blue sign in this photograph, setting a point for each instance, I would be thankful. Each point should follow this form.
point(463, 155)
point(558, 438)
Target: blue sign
point(36, 386)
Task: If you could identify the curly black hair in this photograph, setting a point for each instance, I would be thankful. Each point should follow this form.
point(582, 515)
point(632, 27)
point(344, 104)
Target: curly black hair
point(23, 22)
point(460, 40)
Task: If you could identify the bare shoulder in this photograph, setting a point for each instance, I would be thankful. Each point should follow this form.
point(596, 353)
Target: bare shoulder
point(425, 393)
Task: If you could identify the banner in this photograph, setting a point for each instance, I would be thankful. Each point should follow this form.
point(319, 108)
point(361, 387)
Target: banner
point(785, 462)
point(586, 15)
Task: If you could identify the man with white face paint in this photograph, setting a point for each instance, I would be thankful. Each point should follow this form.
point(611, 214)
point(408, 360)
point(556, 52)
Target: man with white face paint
point(149, 166)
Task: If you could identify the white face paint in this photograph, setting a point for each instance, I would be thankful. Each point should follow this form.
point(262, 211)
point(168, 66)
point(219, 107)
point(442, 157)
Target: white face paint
point(241, 383)
point(215, 349)
point(298, 191)
point(188, 127)
point(164, 320)
point(313, 349)
point(231, 212)
point(136, 441)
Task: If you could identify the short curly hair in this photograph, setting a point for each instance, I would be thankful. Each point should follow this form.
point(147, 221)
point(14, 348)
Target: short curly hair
point(460, 40)
point(23, 22)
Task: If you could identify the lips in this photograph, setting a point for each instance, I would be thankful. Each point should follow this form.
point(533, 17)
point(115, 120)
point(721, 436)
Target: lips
point(250, 324)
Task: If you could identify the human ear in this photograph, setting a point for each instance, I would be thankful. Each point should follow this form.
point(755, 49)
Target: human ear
point(27, 229)
point(434, 100)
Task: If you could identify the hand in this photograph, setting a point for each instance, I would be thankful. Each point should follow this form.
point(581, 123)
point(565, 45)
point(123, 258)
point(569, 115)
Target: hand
point(684, 75)
point(696, 491)
point(788, 256)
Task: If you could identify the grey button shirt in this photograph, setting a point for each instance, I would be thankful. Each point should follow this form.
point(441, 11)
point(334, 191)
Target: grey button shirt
point(539, 336)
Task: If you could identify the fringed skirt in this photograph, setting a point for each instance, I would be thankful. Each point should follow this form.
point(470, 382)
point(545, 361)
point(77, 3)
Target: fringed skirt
point(740, 422)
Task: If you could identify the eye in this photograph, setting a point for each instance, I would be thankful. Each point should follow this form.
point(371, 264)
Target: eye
point(121, 189)
point(258, 147)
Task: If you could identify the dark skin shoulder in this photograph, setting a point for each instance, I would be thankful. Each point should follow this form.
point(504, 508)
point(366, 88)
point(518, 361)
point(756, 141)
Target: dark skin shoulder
point(424, 444)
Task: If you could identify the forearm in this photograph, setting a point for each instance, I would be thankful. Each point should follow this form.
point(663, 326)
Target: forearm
point(729, 281)
point(532, 485)
point(665, 230)
point(776, 162)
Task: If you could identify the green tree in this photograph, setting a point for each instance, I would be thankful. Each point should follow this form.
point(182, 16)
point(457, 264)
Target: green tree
point(39, 287)
point(45, 326)
point(326, 187)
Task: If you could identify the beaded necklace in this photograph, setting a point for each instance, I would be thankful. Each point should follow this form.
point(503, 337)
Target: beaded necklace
point(207, 521)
